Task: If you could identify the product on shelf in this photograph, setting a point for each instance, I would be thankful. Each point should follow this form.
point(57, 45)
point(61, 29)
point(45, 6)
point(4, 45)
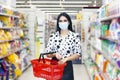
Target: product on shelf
point(110, 9)
point(98, 77)
point(114, 27)
point(108, 61)
point(2, 67)
point(118, 75)
point(104, 30)
point(105, 63)
point(14, 59)
point(12, 30)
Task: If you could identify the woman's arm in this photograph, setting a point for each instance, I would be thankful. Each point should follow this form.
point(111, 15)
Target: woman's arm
point(70, 58)
point(50, 45)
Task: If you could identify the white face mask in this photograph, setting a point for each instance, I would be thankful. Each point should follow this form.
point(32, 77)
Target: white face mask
point(63, 25)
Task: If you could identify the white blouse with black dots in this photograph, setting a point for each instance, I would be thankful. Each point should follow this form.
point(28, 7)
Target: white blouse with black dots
point(66, 46)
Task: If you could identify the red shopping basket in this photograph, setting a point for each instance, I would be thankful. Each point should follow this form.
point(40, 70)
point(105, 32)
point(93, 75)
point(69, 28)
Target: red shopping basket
point(47, 69)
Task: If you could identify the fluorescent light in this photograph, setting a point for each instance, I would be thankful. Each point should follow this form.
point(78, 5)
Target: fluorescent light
point(67, 2)
point(53, 6)
point(94, 3)
point(61, 11)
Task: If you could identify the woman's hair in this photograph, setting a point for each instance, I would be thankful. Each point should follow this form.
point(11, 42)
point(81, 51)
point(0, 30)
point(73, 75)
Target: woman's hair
point(69, 20)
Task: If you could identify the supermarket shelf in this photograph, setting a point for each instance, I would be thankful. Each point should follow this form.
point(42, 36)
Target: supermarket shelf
point(7, 15)
point(24, 28)
point(110, 17)
point(103, 74)
point(106, 4)
point(25, 37)
point(10, 28)
point(13, 51)
point(105, 56)
point(21, 49)
point(9, 40)
point(110, 39)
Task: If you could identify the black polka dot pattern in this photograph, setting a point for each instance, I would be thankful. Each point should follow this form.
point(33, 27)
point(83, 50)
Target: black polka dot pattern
point(65, 46)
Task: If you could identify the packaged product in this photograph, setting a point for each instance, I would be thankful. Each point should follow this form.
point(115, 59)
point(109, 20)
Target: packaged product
point(114, 26)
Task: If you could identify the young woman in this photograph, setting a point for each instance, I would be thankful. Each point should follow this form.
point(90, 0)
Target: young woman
point(66, 44)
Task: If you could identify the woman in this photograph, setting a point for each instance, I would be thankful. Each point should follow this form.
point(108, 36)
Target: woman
point(66, 44)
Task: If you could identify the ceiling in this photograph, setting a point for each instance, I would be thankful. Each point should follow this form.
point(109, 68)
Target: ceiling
point(57, 6)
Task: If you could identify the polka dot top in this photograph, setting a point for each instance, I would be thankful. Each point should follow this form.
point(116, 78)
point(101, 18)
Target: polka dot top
point(66, 46)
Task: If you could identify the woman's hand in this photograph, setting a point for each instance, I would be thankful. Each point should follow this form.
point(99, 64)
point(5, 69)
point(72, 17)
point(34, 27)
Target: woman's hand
point(50, 55)
point(62, 61)
point(58, 56)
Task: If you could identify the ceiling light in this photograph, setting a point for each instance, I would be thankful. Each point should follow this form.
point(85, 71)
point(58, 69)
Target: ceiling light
point(61, 11)
point(52, 6)
point(52, 9)
point(94, 4)
point(67, 2)
point(60, 3)
point(32, 6)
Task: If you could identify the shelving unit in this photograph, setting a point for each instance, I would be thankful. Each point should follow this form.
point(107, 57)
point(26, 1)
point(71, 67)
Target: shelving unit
point(50, 28)
point(2, 14)
point(13, 41)
point(110, 17)
point(110, 39)
point(105, 55)
point(12, 52)
point(104, 75)
point(103, 46)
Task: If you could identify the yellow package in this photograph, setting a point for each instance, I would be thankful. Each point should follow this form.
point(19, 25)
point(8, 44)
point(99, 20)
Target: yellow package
point(11, 58)
point(17, 72)
point(26, 43)
point(2, 35)
point(9, 35)
point(5, 36)
point(21, 23)
point(5, 20)
point(21, 33)
point(14, 59)
point(98, 58)
point(0, 49)
point(5, 49)
point(7, 46)
point(10, 12)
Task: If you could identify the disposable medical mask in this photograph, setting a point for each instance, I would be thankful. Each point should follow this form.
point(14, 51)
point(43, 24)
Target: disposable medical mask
point(63, 25)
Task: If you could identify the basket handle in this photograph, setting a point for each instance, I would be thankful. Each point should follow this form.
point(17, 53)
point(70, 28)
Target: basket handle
point(42, 56)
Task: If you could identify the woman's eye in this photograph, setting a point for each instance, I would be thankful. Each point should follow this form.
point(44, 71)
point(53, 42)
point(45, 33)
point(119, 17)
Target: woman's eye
point(65, 20)
point(62, 20)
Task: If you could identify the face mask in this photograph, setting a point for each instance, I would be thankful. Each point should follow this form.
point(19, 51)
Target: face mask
point(63, 25)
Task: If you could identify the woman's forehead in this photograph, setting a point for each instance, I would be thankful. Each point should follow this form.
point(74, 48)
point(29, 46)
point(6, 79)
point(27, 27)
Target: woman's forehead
point(63, 17)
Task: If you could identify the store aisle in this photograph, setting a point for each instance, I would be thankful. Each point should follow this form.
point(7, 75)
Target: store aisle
point(80, 73)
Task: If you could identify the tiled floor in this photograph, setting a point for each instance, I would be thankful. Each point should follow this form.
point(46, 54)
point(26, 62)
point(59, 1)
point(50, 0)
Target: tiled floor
point(80, 73)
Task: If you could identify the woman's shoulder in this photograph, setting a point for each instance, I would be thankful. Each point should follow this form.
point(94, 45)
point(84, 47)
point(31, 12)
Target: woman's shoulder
point(54, 34)
point(75, 34)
